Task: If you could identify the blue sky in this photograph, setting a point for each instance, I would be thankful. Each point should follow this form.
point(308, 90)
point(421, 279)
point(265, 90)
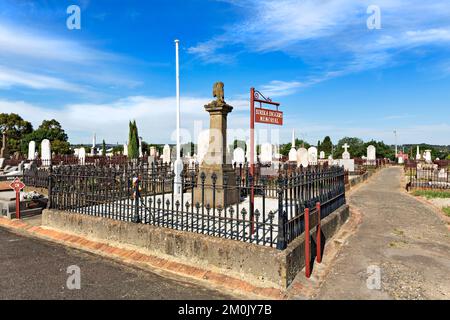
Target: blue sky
point(332, 75)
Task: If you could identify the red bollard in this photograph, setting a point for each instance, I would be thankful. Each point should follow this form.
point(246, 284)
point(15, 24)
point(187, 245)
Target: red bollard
point(318, 235)
point(307, 245)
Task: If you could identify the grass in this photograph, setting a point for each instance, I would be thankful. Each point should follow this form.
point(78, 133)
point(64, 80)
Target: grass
point(446, 211)
point(432, 194)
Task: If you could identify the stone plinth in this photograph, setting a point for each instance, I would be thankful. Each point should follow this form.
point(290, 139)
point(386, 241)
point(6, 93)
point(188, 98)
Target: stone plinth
point(215, 160)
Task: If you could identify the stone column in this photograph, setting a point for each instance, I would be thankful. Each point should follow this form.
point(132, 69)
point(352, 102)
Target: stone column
point(215, 161)
point(4, 152)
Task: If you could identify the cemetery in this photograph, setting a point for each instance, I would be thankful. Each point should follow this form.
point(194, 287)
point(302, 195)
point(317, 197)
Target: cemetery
point(218, 193)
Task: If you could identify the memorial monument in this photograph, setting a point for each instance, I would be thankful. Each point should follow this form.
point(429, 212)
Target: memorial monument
point(214, 162)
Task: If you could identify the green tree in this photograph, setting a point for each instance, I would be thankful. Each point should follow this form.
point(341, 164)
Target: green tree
point(51, 130)
point(16, 129)
point(133, 141)
point(285, 148)
point(382, 149)
point(117, 149)
point(356, 147)
point(326, 146)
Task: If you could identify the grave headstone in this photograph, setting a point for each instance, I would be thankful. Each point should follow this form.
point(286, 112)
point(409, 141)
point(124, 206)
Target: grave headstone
point(427, 156)
point(239, 155)
point(266, 153)
point(46, 152)
point(418, 155)
point(31, 150)
point(302, 157)
point(371, 153)
point(312, 155)
point(153, 151)
point(166, 154)
point(82, 156)
point(322, 155)
point(346, 154)
point(125, 149)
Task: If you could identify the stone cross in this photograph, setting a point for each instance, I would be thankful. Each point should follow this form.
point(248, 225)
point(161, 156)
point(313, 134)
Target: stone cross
point(346, 146)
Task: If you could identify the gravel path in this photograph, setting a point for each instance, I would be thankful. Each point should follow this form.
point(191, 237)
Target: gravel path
point(402, 237)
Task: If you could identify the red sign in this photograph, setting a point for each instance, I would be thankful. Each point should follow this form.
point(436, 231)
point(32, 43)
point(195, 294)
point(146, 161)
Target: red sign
point(268, 116)
point(17, 185)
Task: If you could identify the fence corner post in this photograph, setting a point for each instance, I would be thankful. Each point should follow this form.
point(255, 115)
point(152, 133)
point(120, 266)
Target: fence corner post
point(281, 243)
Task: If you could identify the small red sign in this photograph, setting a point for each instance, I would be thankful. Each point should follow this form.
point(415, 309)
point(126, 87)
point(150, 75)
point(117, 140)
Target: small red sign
point(268, 116)
point(17, 185)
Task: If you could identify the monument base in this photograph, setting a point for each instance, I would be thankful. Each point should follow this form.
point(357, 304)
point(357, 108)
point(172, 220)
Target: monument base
point(224, 194)
point(348, 164)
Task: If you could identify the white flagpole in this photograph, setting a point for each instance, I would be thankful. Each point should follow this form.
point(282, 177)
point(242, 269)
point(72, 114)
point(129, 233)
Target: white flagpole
point(178, 167)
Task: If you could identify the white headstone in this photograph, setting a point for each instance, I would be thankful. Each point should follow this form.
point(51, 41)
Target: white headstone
point(418, 156)
point(346, 154)
point(312, 155)
point(239, 155)
point(46, 152)
point(302, 157)
point(293, 155)
point(371, 153)
point(427, 156)
point(125, 149)
point(31, 150)
point(400, 160)
point(322, 155)
point(94, 143)
point(153, 151)
point(82, 156)
point(166, 154)
point(140, 148)
point(266, 152)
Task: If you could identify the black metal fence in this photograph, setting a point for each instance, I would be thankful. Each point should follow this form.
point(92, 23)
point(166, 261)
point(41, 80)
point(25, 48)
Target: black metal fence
point(429, 177)
point(145, 194)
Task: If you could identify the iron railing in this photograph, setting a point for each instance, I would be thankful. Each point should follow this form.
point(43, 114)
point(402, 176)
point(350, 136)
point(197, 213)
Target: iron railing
point(427, 177)
point(144, 193)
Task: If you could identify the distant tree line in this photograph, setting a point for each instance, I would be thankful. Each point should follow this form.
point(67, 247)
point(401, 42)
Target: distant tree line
point(20, 132)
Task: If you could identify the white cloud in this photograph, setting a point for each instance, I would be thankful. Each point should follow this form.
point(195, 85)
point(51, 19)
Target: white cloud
point(12, 78)
point(41, 61)
point(26, 43)
point(331, 36)
point(278, 88)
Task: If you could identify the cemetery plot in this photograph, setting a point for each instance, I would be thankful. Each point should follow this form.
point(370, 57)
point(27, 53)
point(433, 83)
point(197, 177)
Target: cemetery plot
point(276, 218)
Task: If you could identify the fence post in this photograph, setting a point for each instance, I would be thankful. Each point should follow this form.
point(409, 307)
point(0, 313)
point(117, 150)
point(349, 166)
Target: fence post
point(318, 235)
point(136, 218)
point(50, 187)
point(307, 245)
point(281, 243)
